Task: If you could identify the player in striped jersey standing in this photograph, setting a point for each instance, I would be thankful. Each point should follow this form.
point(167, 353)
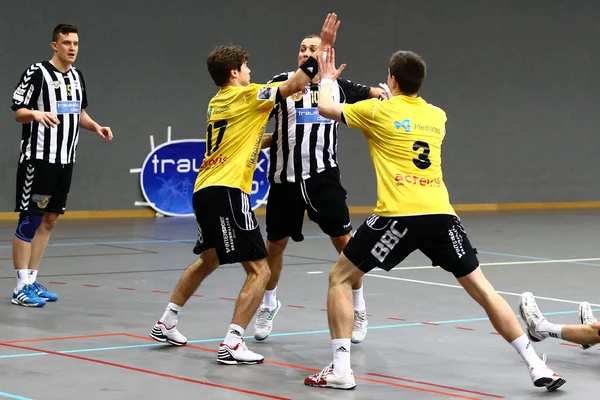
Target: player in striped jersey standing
point(49, 101)
point(304, 177)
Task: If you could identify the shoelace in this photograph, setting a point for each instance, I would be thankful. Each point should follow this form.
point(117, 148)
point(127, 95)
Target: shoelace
point(262, 319)
point(325, 371)
point(359, 320)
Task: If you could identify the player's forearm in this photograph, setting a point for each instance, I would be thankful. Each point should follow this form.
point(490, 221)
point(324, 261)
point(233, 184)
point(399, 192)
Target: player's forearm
point(24, 115)
point(327, 107)
point(301, 78)
point(375, 93)
point(86, 122)
point(267, 140)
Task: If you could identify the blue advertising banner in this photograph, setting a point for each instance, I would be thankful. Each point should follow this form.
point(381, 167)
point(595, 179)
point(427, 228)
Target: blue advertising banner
point(169, 172)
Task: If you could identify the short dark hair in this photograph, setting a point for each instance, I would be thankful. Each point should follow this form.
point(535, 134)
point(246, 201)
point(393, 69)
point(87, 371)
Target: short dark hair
point(63, 29)
point(312, 35)
point(222, 60)
point(409, 69)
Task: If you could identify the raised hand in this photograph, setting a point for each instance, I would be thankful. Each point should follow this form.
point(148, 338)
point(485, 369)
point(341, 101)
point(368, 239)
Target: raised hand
point(327, 68)
point(329, 30)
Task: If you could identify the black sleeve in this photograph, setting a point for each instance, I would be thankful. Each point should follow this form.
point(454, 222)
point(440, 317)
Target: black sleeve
point(284, 76)
point(354, 92)
point(28, 89)
point(84, 101)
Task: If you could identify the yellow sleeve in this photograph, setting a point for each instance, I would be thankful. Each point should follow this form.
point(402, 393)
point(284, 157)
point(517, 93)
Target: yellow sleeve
point(361, 115)
point(262, 97)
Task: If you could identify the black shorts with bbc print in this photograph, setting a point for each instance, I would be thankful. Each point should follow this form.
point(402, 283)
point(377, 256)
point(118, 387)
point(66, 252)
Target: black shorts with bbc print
point(385, 242)
point(42, 187)
point(227, 224)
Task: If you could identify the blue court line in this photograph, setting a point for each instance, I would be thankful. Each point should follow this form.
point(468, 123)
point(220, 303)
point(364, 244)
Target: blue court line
point(139, 346)
point(14, 396)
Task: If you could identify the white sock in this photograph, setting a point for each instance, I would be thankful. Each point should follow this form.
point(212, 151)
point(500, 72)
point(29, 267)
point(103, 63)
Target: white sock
point(359, 300)
point(523, 346)
point(169, 318)
point(234, 335)
point(548, 329)
point(341, 356)
point(270, 299)
point(32, 275)
point(22, 278)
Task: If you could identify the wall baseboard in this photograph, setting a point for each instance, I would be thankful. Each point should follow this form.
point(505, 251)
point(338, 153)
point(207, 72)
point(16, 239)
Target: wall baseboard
point(148, 213)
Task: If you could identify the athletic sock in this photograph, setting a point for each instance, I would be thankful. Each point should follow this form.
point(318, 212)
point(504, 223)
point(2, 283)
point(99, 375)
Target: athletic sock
point(548, 329)
point(32, 275)
point(169, 318)
point(523, 346)
point(270, 299)
point(234, 335)
point(22, 278)
point(341, 356)
point(359, 300)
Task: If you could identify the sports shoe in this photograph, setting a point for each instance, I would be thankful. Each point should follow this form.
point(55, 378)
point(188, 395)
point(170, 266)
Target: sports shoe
point(360, 327)
point(532, 316)
point(27, 297)
point(239, 354)
point(161, 333)
point(545, 377)
point(327, 378)
point(43, 293)
point(264, 322)
point(586, 317)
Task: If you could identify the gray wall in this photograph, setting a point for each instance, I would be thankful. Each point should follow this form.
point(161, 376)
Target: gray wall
point(518, 79)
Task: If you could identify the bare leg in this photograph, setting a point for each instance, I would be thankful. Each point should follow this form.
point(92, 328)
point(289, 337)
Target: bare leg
point(247, 303)
point(193, 276)
point(275, 261)
point(41, 238)
point(340, 243)
point(582, 334)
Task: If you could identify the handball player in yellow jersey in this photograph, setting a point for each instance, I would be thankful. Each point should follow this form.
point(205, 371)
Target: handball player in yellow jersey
point(228, 231)
point(413, 212)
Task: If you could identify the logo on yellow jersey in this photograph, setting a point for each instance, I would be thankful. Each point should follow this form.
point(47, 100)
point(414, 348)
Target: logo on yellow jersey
point(403, 125)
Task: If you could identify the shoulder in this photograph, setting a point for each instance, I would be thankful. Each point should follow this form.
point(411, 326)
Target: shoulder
point(281, 77)
point(33, 69)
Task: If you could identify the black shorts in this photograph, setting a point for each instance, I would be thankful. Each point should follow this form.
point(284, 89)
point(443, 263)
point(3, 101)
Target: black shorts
point(227, 224)
point(322, 196)
point(385, 242)
point(42, 187)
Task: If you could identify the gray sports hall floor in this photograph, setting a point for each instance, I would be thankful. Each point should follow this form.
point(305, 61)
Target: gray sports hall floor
point(427, 339)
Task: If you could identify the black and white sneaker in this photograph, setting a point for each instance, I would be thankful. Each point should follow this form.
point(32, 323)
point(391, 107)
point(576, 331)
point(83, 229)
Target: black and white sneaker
point(586, 317)
point(239, 354)
point(171, 335)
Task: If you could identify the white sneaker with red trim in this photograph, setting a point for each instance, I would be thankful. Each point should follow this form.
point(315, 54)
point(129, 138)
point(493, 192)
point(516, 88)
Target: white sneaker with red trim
point(327, 378)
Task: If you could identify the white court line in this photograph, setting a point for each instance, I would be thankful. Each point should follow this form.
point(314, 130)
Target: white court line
point(314, 272)
point(460, 287)
point(510, 263)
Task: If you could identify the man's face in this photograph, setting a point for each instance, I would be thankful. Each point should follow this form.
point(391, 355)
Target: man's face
point(66, 47)
point(307, 48)
point(244, 74)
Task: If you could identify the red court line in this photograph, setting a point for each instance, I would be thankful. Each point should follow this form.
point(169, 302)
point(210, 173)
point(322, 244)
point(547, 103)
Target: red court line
point(160, 291)
point(430, 323)
point(495, 333)
point(296, 306)
point(145, 371)
point(570, 344)
point(396, 319)
point(65, 338)
point(58, 283)
point(227, 298)
point(90, 285)
point(464, 329)
point(435, 385)
point(125, 288)
point(197, 295)
point(318, 370)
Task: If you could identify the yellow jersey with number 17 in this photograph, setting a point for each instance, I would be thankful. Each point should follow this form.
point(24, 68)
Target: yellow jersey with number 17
point(405, 137)
point(235, 125)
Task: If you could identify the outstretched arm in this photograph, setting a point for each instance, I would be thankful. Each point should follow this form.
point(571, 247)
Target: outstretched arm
point(327, 107)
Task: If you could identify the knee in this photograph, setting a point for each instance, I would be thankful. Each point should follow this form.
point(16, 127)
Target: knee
point(276, 248)
point(49, 221)
point(344, 273)
point(595, 332)
point(27, 226)
point(260, 269)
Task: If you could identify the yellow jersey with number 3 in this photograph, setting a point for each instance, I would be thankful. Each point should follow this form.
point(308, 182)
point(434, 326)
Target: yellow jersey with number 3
point(235, 125)
point(405, 137)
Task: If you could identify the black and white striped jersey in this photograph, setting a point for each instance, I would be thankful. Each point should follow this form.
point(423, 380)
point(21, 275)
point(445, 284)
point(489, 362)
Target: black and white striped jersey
point(304, 142)
point(44, 88)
